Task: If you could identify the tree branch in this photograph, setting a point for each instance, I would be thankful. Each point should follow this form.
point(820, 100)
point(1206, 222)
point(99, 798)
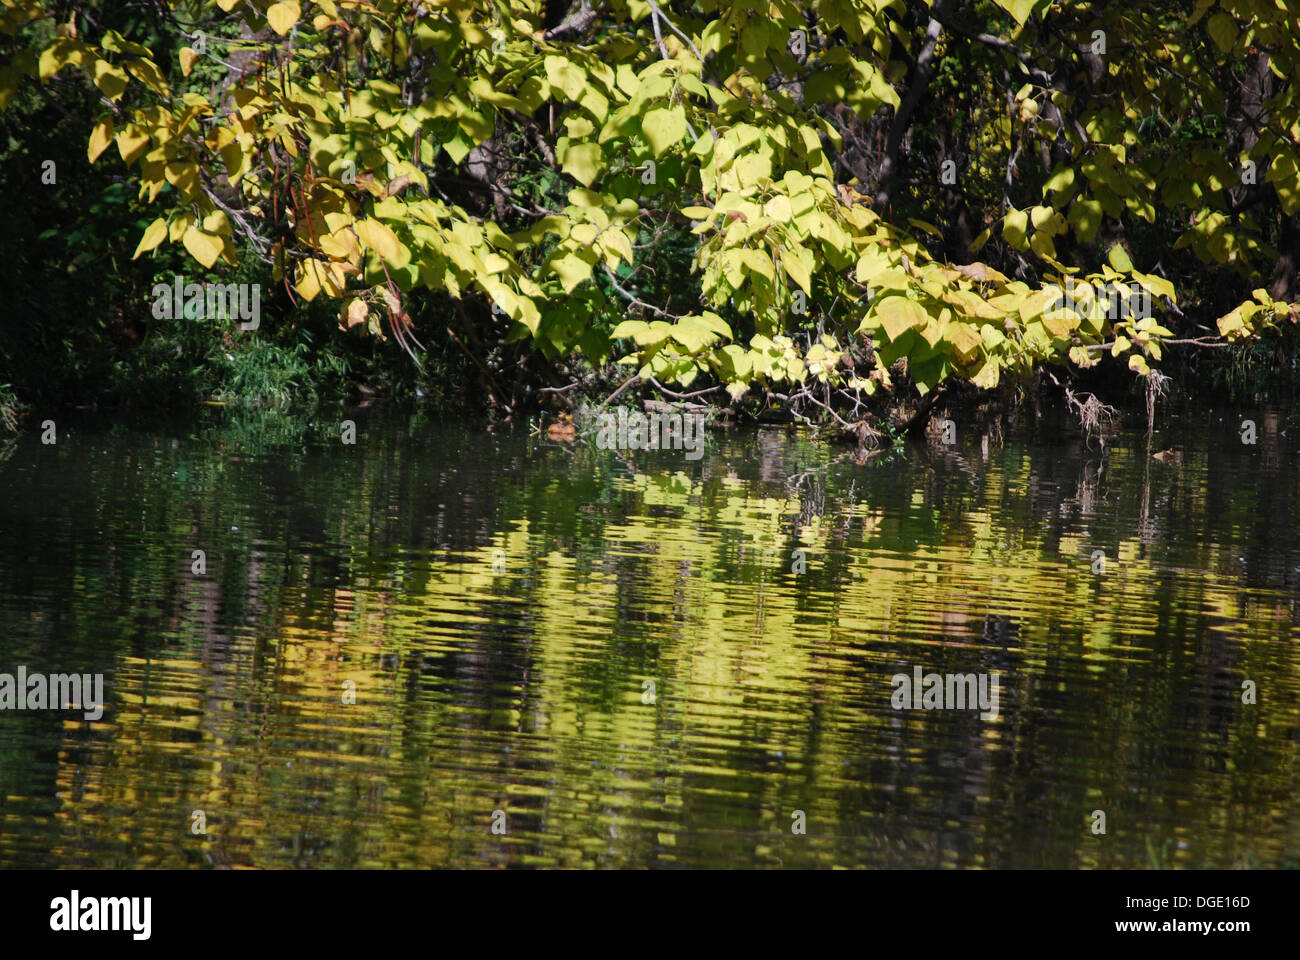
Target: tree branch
point(925, 67)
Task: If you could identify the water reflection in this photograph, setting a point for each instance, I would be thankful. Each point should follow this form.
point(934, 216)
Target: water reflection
point(496, 603)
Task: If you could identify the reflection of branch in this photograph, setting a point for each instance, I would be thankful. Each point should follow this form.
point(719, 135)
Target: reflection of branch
point(478, 363)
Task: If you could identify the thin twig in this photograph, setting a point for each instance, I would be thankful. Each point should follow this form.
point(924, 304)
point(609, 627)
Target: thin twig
point(626, 383)
point(685, 396)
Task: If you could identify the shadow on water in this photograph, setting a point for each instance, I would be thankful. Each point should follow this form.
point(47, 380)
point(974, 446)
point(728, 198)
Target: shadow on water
point(643, 660)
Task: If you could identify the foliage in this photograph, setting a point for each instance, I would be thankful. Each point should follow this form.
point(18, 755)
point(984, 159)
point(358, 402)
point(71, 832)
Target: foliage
point(506, 154)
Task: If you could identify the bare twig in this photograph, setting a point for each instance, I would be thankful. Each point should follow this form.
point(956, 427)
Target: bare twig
point(657, 13)
point(626, 383)
point(633, 299)
point(685, 396)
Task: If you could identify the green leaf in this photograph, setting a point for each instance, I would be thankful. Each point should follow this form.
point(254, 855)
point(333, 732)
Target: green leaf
point(583, 161)
point(629, 328)
point(1015, 228)
point(1085, 219)
point(1223, 30)
point(1118, 258)
point(692, 334)
point(663, 127)
point(572, 270)
point(1020, 9)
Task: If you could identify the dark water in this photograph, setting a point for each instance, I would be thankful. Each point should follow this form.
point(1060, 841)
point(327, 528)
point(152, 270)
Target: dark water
point(496, 602)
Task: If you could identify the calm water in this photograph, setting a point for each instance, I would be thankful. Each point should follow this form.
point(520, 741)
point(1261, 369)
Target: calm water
point(496, 602)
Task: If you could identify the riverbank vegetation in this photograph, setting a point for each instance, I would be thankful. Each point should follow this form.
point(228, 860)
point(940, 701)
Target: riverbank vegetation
point(847, 214)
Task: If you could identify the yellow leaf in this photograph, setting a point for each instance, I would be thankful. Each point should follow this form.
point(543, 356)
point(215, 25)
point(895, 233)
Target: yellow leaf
point(572, 270)
point(798, 263)
point(111, 80)
point(341, 245)
point(188, 57)
point(898, 315)
point(615, 241)
point(986, 378)
point(583, 162)
point(313, 276)
point(147, 72)
point(236, 161)
point(282, 16)
point(131, 143)
point(379, 238)
point(100, 138)
point(966, 342)
point(778, 208)
point(217, 222)
point(1080, 356)
point(663, 127)
point(153, 235)
point(203, 246)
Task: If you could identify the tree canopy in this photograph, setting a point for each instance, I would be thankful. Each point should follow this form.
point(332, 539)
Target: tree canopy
point(830, 171)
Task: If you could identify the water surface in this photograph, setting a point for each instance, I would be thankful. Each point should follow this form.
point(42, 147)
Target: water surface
point(496, 602)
